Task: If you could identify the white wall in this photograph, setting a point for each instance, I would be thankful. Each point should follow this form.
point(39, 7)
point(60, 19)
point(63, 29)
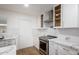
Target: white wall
point(20, 27)
point(78, 14)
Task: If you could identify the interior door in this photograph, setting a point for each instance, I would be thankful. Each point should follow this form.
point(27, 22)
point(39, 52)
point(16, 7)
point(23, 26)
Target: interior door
point(25, 31)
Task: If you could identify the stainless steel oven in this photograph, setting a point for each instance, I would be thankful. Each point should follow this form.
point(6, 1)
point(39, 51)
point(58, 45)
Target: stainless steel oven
point(44, 47)
point(44, 44)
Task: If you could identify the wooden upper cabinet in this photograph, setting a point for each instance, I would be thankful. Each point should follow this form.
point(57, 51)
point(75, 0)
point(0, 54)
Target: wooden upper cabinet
point(58, 16)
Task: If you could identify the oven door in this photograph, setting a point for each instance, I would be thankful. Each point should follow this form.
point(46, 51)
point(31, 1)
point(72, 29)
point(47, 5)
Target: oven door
point(44, 47)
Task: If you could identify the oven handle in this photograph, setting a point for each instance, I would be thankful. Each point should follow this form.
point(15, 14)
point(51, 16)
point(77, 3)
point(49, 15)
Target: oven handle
point(44, 41)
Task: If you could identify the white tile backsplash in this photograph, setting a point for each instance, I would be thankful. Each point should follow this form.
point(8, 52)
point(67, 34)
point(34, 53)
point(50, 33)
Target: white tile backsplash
point(69, 31)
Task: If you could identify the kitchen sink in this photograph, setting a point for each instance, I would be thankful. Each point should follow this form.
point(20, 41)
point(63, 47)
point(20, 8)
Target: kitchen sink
point(51, 37)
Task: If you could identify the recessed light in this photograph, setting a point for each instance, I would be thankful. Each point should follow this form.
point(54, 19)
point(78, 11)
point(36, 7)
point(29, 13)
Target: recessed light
point(26, 5)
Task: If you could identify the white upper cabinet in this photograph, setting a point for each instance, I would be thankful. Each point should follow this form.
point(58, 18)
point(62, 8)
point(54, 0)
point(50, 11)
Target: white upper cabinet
point(69, 16)
point(3, 21)
point(3, 24)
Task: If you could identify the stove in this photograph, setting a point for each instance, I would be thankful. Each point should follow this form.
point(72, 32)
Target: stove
point(44, 44)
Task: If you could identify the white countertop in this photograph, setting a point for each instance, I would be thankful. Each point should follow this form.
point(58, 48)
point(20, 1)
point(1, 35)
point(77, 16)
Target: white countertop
point(7, 39)
point(61, 40)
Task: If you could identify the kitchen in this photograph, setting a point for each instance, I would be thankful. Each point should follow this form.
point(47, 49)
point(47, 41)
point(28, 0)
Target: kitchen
point(39, 29)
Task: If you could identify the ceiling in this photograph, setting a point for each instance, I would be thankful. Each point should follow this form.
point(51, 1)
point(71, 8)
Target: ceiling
point(33, 9)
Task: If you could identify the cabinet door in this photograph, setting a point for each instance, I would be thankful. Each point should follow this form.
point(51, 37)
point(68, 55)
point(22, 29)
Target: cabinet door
point(52, 48)
point(8, 50)
point(57, 16)
point(62, 51)
point(66, 51)
point(69, 15)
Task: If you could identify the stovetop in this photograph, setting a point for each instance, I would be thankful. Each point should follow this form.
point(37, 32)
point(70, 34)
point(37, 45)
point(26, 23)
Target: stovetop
point(47, 37)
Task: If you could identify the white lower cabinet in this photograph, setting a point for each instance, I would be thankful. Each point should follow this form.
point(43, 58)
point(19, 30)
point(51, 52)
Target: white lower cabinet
point(52, 48)
point(58, 49)
point(8, 50)
point(62, 50)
